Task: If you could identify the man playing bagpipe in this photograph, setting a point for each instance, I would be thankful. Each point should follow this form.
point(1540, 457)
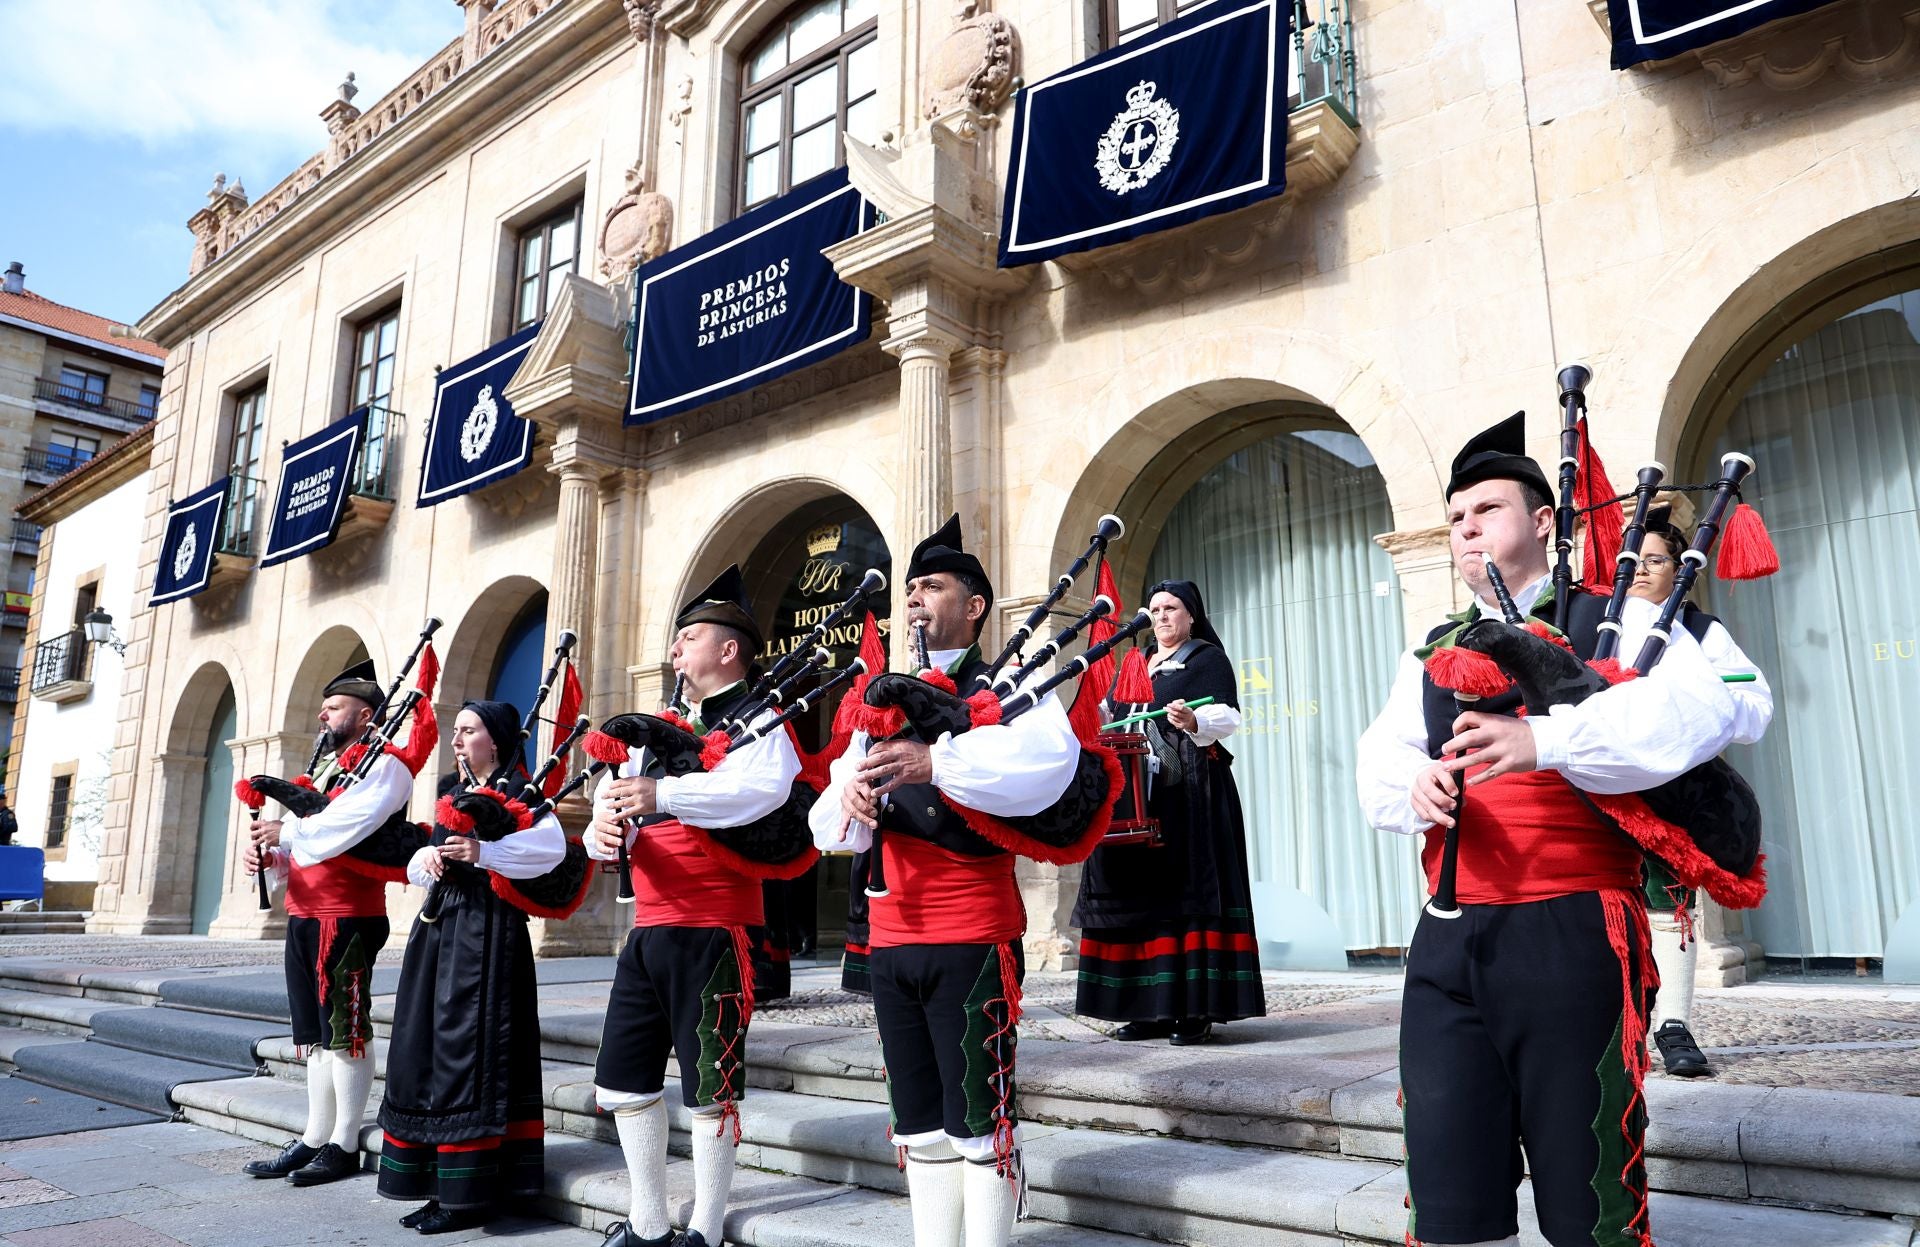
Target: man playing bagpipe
point(945, 913)
point(1524, 1015)
point(343, 840)
point(699, 839)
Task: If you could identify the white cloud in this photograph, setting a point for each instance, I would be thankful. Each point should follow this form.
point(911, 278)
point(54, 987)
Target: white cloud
point(253, 74)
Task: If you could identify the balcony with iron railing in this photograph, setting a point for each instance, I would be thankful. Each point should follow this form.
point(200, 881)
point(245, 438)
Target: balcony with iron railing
point(9, 683)
point(47, 464)
point(61, 667)
point(373, 468)
point(26, 537)
point(242, 519)
point(370, 492)
point(72, 402)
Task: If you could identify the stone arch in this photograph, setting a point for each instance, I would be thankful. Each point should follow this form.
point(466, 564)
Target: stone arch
point(325, 658)
point(1680, 359)
point(1270, 379)
point(473, 646)
point(191, 716)
point(180, 775)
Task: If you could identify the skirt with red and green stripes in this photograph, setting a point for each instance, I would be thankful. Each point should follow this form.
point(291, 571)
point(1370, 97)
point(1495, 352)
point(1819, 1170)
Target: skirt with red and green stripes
point(1200, 969)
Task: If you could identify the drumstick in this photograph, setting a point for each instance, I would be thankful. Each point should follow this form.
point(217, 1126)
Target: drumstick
point(1154, 714)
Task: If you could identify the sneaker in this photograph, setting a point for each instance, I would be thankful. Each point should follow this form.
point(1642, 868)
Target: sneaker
point(1682, 1055)
point(330, 1164)
point(293, 1156)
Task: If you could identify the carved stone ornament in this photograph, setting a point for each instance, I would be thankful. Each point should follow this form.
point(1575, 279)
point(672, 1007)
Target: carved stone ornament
point(638, 228)
point(973, 67)
point(640, 16)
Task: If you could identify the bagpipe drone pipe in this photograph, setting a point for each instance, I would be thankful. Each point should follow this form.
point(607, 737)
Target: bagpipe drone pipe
point(384, 854)
point(1704, 826)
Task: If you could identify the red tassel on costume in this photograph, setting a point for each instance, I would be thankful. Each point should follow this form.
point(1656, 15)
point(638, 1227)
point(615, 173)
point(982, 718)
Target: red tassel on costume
point(1135, 686)
point(604, 748)
point(248, 795)
point(1746, 550)
point(1606, 526)
point(1467, 671)
point(572, 696)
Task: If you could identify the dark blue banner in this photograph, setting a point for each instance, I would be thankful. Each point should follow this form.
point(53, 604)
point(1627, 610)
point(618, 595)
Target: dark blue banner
point(748, 302)
point(474, 439)
point(314, 473)
point(186, 552)
point(1652, 30)
point(1186, 122)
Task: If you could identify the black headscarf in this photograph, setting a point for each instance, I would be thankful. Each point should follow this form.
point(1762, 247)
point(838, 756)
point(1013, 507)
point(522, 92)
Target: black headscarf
point(1189, 595)
point(502, 721)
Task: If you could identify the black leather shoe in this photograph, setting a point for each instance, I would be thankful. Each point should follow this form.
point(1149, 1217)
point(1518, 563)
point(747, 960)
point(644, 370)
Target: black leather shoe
point(331, 1164)
point(294, 1155)
point(620, 1234)
point(447, 1220)
point(690, 1238)
point(413, 1219)
point(1133, 1032)
point(1186, 1034)
point(1682, 1055)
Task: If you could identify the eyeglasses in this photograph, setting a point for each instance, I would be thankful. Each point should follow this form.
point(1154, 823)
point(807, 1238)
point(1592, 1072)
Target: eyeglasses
point(1655, 561)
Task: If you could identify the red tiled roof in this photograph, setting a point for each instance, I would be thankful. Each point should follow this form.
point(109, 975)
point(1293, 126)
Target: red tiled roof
point(29, 306)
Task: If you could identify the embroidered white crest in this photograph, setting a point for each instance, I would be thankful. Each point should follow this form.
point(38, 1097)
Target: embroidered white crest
point(183, 554)
point(1139, 143)
point(477, 433)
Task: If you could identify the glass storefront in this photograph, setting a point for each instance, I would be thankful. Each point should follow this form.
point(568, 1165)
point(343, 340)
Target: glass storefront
point(1279, 537)
point(1834, 425)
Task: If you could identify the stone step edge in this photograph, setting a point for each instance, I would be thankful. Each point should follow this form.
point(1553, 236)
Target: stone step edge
point(587, 1185)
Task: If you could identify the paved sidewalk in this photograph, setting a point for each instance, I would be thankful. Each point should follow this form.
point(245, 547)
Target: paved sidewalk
point(177, 1185)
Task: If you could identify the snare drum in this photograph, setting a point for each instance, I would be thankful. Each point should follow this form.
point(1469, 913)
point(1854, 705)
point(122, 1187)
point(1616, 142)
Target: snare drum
point(1131, 823)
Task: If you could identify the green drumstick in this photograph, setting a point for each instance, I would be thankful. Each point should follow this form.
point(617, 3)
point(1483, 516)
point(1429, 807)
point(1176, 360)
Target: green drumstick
point(1154, 714)
point(1745, 677)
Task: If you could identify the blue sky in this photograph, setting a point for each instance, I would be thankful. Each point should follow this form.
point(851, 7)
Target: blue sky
point(116, 114)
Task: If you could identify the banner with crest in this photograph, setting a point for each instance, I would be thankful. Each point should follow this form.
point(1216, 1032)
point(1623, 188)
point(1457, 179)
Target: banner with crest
point(186, 552)
point(473, 437)
point(1183, 123)
point(316, 474)
point(1653, 30)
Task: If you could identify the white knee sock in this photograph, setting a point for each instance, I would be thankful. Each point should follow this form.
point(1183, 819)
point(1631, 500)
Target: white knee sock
point(713, 1159)
point(320, 1106)
point(352, 1081)
point(992, 1199)
point(643, 1141)
point(1675, 997)
point(933, 1188)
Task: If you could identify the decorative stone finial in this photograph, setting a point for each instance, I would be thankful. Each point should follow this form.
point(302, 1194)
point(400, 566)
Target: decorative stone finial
point(219, 187)
point(348, 90)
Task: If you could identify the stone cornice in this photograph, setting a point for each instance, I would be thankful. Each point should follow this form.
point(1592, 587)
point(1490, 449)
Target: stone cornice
point(575, 370)
point(514, 79)
point(1416, 541)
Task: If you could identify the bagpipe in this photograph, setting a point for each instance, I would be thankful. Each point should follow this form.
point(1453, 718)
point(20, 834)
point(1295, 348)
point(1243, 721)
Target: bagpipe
point(928, 705)
point(499, 808)
point(1704, 826)
point(778, 845)
point(384, 854)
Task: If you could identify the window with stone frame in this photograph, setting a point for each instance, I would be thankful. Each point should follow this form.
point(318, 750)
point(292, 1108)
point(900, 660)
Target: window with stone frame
point(1124, 20)
point(813, 77)
point(376, 348)
point(59, 811)
point(149, 400)
point(544, 252)
point(246, 451)
point(83, 385)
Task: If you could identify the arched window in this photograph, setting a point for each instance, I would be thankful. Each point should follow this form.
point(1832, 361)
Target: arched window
point(812, 77)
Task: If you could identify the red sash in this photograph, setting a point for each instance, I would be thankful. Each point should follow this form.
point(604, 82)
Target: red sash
point(1528, 836)
point(936, 896)
point(333, 889)
point(677, 884)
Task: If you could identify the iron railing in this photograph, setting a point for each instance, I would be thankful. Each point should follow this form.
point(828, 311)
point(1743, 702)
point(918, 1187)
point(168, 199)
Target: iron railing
point(48, 390)
point(9, 683)
point(51, 461)
point(374, 467)
point(60, 660)
point(242, 517)
point(1323, 53)
point(26, 537)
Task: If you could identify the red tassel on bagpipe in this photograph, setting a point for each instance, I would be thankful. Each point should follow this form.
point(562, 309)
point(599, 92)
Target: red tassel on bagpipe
point(1746, 550)
point(451, 818)
point(604, 748)
point(248, 795)
point(714, 751)
point(1605, 524)
point(1135, 686)
point(1467, 671)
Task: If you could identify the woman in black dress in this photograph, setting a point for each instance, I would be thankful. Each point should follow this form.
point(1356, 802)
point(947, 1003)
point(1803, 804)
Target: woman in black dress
point(1167, 943)
point(463, 1116)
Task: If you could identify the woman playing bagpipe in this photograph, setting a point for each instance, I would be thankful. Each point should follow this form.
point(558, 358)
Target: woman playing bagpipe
point(1528, 976)
point(949, 776)
point(1167, 941)
point(697, 815)
point(1670, 903)
point(344, 838)
point(463, 1122)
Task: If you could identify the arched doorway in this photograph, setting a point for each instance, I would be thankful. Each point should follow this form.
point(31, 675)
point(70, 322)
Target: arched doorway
point(1271, 510)
point(803, 567)
point(521, 662)
point(1829, 407)
point(212, 865)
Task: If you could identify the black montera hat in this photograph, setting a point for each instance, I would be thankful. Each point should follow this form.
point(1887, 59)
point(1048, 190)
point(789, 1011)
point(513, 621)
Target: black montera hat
point(1498, 454)
point(724, 602)
point(942, 552)
point(359, 681)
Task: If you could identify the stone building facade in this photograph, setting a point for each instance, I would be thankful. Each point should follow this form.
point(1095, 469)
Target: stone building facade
point(1269, 397)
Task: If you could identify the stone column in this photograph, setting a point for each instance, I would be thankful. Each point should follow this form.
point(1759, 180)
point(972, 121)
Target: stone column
point(178, 779)
point(925, 468)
